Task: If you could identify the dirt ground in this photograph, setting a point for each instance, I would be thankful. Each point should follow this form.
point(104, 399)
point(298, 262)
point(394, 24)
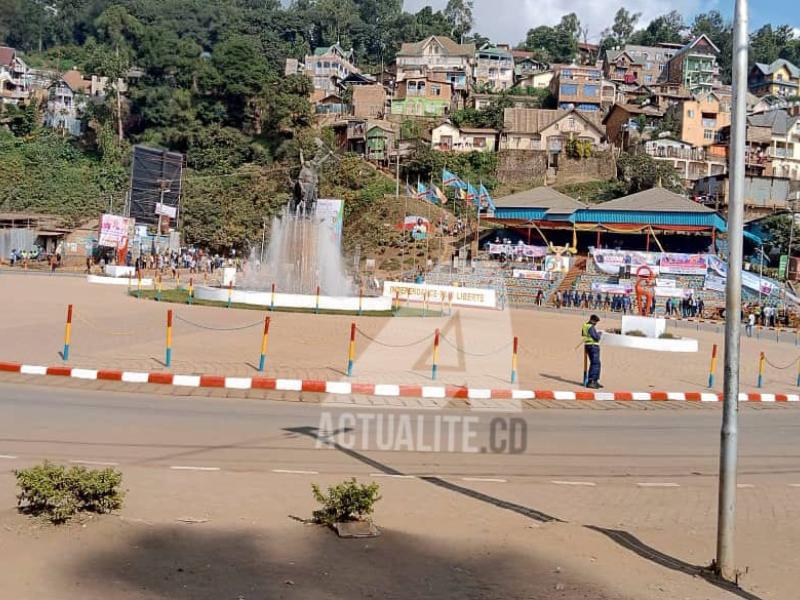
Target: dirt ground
point(112, 330)
point(236, 536)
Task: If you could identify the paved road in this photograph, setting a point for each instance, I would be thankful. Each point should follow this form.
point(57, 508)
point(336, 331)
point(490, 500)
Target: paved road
point(256, 435)
point(649, 473)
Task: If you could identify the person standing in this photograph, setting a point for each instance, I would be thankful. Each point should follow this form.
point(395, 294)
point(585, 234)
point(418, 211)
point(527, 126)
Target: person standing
point(591, 347)
point(751, 321)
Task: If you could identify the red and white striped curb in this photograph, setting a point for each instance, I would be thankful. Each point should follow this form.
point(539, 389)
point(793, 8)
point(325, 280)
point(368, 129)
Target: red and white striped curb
point(373, 389)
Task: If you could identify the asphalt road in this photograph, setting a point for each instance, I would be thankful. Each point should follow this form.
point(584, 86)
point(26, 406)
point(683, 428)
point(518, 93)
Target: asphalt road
point(256, 435)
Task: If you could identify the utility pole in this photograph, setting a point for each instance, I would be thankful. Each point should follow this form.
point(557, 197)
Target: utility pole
point(729, 438)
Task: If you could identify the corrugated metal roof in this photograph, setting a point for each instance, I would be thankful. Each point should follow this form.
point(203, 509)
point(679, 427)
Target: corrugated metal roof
point(540, 197)
point(655, 199)
point(519, 214)
point(645, 217)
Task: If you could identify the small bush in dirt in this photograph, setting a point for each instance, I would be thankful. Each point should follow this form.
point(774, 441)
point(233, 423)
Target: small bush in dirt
point(669, 336)
point(346, 501)
point(635, 333)
point(58, 493)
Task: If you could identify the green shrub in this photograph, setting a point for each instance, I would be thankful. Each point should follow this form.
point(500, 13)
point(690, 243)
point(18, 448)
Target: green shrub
point(58, 493)
point(346, 501)
point(669, 336)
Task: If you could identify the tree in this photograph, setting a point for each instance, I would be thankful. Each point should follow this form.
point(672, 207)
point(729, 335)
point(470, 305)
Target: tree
point(775, 230)
point(555, 44)
point(667, 28)
point(641, 172)
point(768, 44)
point(621, 30)
point(118, 28)
point(459, 14)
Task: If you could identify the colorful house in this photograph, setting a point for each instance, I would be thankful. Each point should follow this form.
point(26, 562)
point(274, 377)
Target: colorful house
point(695, 66)
point(779, 78)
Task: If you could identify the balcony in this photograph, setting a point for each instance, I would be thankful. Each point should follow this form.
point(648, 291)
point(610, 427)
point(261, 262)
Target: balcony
point(677, 153)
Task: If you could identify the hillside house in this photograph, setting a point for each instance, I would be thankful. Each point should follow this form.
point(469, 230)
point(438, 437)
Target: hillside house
point(449, 138)
point(641, 65)
point(581, 88)
point(779, 78)
point(494, 68)
point(15, 84)
point(695, 66)
point(327, 67)
point(369, 101)
point(437, 57)
point(422, 97)
point(627, 123)
point(549, 130)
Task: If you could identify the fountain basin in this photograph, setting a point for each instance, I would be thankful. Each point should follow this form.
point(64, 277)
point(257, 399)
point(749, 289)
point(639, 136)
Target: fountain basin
point(652, 330)
point(347, 304)
point(645, 343)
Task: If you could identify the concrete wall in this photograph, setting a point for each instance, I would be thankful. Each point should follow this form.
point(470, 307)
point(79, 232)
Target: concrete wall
point(601, 166)
point(521, 166)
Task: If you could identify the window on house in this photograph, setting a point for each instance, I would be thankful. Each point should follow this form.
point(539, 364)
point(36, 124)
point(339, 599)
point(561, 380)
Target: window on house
point(690, 114)
point(779, 77)
point(569, 90)
point(708, 135)
point(479, 142)
point(436, 90)
point(648, 78)
point(590, 90)
point(327, 64)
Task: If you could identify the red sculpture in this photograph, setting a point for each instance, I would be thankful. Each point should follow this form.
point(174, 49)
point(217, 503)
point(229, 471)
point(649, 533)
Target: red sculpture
point(644, 289)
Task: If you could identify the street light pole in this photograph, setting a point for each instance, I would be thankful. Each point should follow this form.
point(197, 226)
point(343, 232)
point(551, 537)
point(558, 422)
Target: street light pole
point(726, 516)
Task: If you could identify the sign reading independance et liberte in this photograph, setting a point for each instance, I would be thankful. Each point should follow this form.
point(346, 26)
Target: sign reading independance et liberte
point(462, 296)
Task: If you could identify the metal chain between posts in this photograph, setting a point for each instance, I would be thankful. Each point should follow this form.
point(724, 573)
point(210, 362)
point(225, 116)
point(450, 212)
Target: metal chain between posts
point(476, 354)
point(372, 339)
point(774, 366)
point(209, 328)
point(103, 329)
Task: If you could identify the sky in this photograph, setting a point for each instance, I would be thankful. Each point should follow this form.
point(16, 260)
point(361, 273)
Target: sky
point(509, 20)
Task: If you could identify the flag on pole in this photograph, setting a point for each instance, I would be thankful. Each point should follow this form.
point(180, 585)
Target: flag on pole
point(437, 195)
point(410, 191)
point(472, 194)
point(486, 198)
point(452, 180)
point(422, 191)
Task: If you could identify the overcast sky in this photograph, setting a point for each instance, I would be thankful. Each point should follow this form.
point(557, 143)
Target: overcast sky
point(509, 20)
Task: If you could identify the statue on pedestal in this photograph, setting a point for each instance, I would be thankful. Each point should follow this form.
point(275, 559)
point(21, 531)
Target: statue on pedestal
point(306, 188)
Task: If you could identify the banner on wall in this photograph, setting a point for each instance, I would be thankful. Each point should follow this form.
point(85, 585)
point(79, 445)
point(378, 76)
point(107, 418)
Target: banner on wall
point(683, 264)
point(528, 274)
point(751, 281)
point(671, 292)
point(556, 264)
point(114, 231)
point(518, 250)
point(623, 287)
point(666, 283)
point(714, 282)
point(331, 211)
point(611, 261)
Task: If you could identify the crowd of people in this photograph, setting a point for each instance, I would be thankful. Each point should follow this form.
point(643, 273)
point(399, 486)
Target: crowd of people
point(688, 307)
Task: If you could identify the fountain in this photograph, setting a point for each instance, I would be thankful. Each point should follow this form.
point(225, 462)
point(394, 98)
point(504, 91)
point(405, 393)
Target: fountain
point(303, 266)
point(303, 253)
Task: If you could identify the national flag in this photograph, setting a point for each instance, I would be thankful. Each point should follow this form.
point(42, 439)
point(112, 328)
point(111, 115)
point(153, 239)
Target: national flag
point(437, 194)
point(452, 180)
point(422, 191)
point(410, 191)
point(486, 198)
point(472, 194)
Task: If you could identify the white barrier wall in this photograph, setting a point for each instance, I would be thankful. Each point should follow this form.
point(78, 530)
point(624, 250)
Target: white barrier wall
point(120, 271)
point(349, 304)
point(146, 283)
point(462, 296)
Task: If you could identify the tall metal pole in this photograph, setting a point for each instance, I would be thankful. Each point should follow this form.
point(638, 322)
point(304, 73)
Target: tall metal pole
point(726, 517)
